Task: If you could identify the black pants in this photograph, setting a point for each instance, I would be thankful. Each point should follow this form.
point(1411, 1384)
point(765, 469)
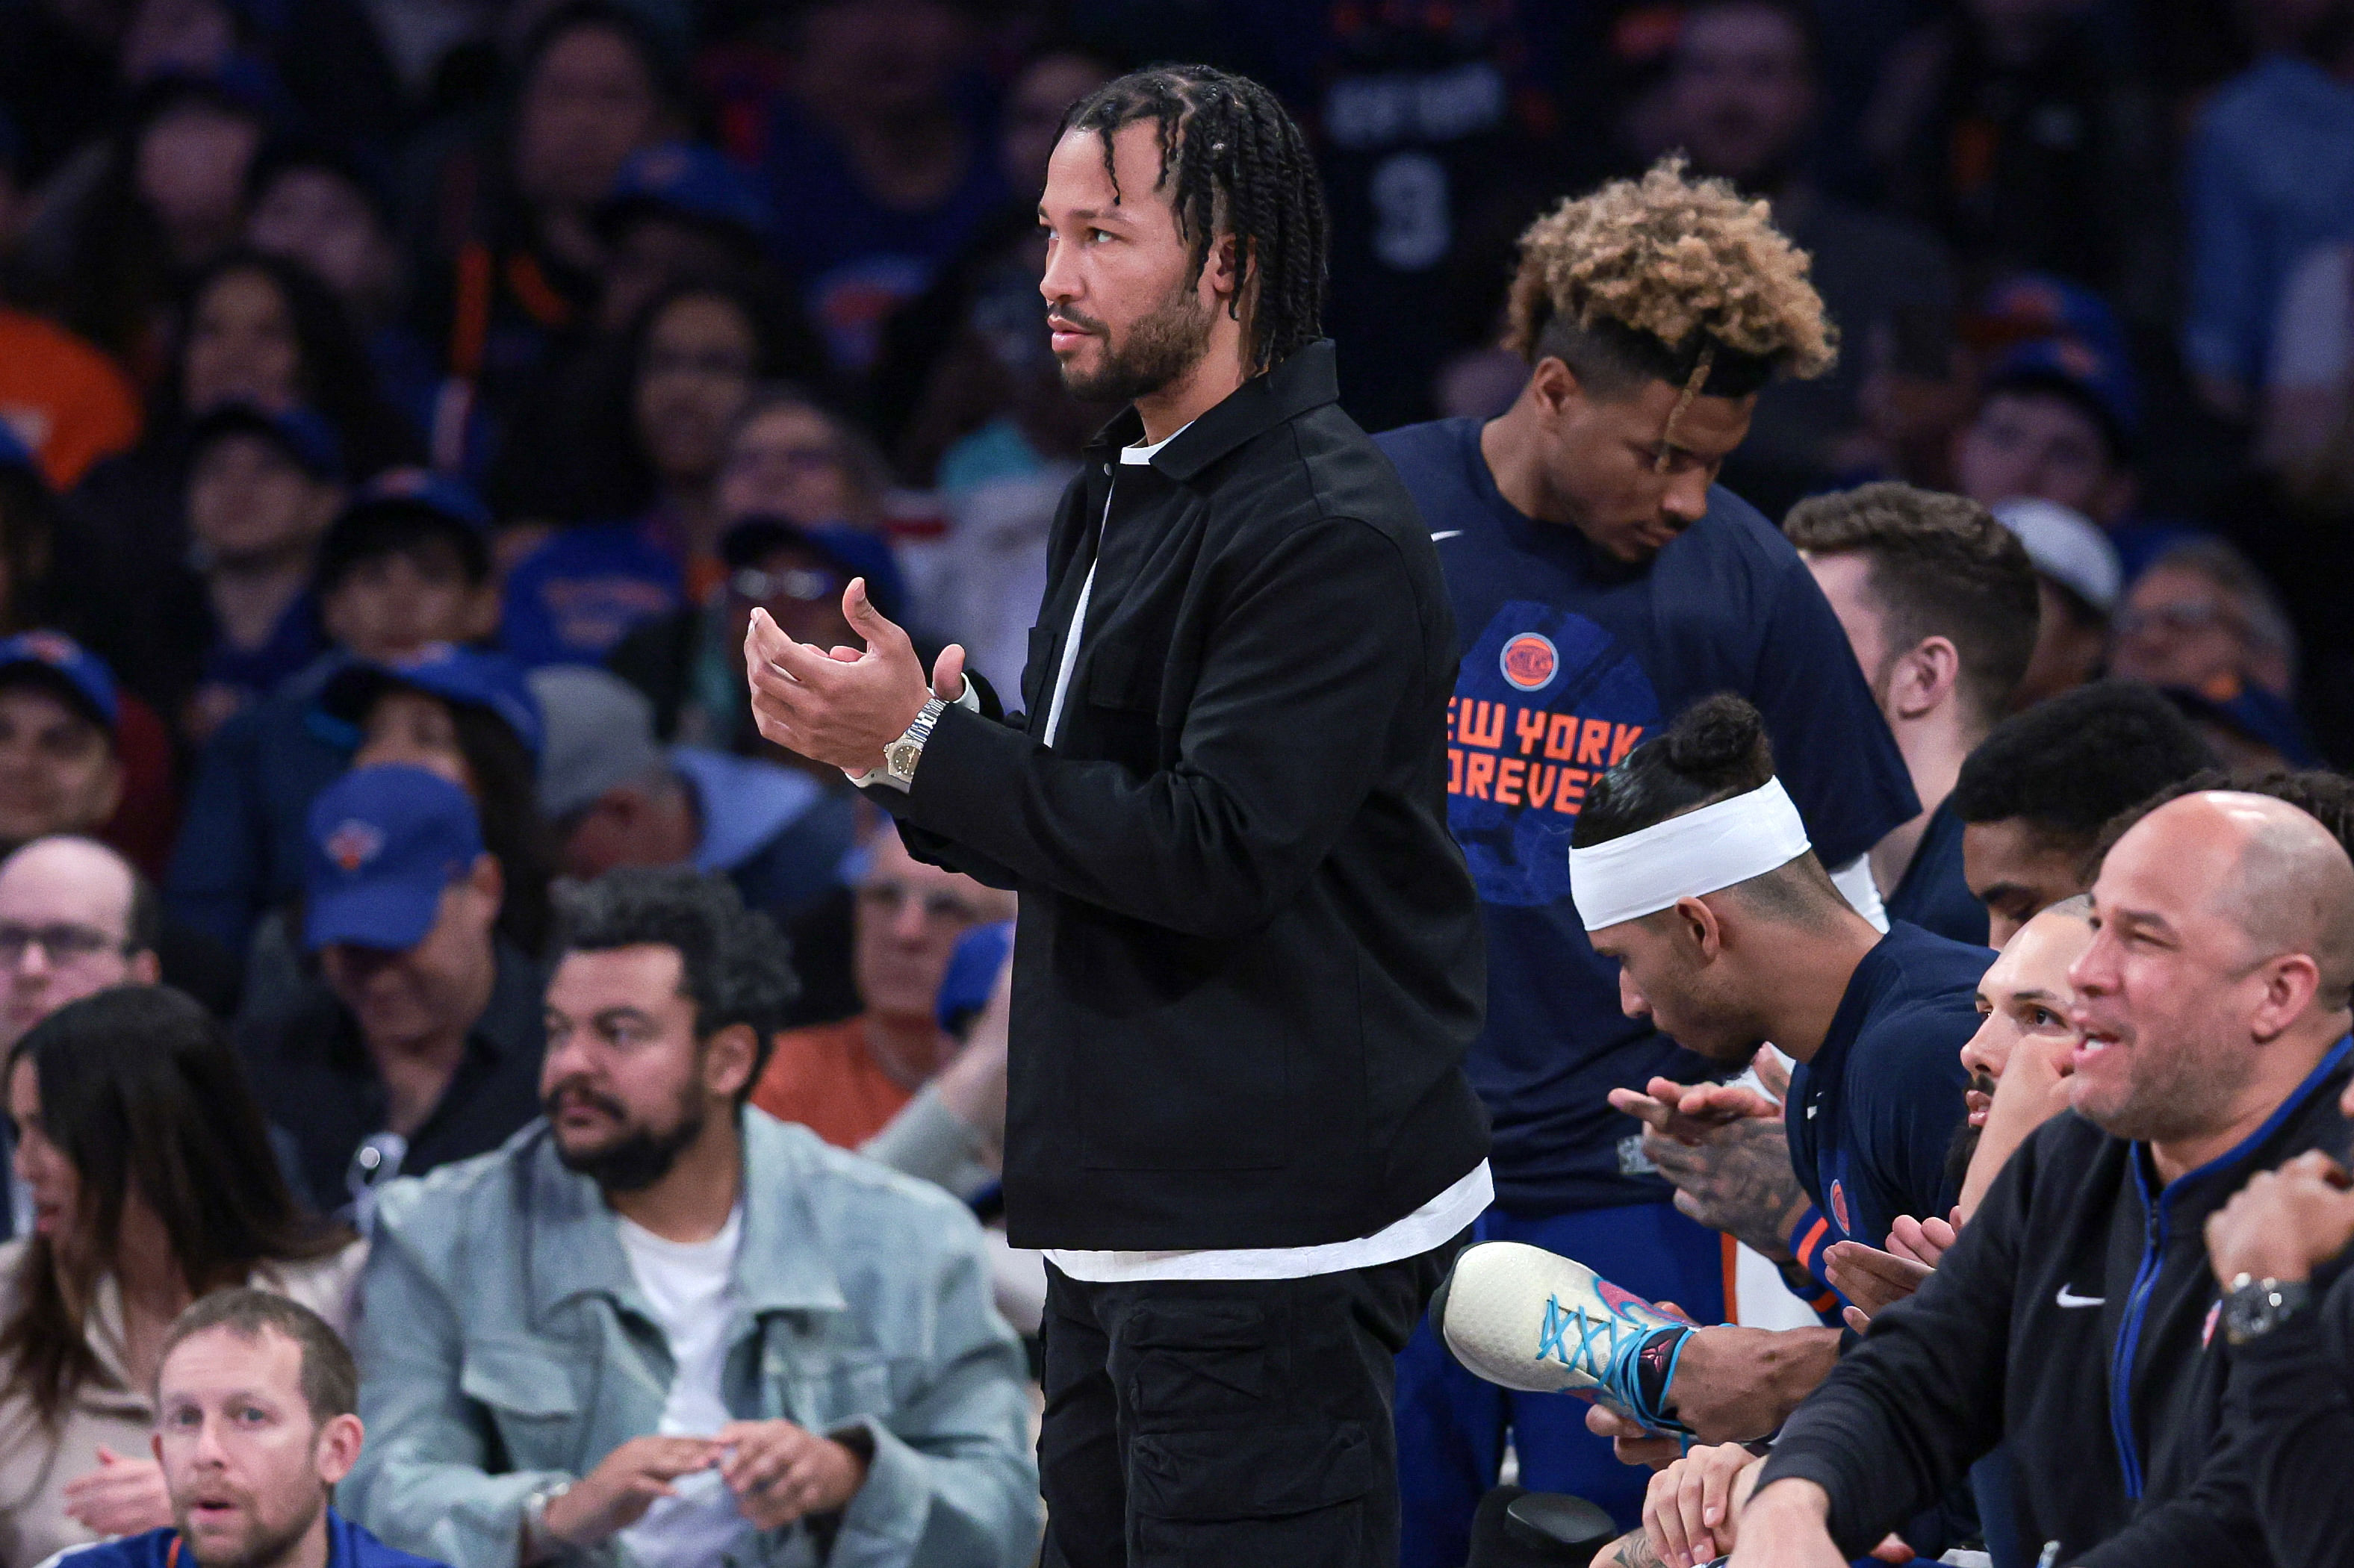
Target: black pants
point(1228, 1424)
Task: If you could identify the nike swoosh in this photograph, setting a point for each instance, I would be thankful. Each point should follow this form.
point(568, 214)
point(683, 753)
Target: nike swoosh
point(2070, 1298)
point(1447, 533)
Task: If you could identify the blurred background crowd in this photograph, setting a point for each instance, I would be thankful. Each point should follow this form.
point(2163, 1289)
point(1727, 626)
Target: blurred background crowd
point(442, 382)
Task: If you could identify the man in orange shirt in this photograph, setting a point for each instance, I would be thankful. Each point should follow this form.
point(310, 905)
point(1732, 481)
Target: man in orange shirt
point(66, 401)
point(845, 1081)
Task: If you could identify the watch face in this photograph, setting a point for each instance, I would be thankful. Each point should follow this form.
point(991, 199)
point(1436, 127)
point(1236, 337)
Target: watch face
point(900, 757)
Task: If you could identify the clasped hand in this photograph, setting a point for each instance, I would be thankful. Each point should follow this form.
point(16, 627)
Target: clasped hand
point(843, 706)
point(777, 1471)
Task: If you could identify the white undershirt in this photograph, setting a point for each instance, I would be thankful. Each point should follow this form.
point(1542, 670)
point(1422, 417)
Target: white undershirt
point(691, 1287)
point(1432, 1224)
point(1129, 456)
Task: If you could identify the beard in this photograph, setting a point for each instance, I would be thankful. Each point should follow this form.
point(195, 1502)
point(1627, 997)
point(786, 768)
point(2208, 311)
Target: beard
point(260, 1548)
point(640, 1156)
point(1161, 347)
point(1958, 1155)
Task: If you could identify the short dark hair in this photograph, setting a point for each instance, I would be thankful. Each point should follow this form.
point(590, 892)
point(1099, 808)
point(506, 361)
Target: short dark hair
point(331, 1379)
point(2069, 764)
point(140, 1089)
point(1941, 566)
point(2326, 797)
point(1717, 748)
point(734, 964)
point(1241, 166)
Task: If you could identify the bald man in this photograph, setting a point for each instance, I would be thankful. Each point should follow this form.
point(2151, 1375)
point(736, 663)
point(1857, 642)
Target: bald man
point(2211, 1008)
point(72, 921)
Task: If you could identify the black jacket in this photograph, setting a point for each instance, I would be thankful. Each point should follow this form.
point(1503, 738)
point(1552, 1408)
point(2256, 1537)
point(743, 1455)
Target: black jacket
point(1249, 958)
point(2075, 1322)
point(2290, 1413)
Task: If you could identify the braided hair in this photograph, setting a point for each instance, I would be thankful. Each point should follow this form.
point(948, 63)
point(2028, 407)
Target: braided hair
point(1239, 166)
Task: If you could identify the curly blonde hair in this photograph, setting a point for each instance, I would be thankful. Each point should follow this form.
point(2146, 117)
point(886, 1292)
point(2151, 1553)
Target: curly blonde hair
point(1675, 259)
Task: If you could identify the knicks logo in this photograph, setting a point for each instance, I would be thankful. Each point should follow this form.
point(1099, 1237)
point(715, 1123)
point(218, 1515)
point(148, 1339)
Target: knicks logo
point(354, 844)
point(1529, 662)
point(1839, 1208)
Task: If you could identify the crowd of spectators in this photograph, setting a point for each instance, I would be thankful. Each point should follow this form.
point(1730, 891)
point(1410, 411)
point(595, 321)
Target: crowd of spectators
point(405, 406)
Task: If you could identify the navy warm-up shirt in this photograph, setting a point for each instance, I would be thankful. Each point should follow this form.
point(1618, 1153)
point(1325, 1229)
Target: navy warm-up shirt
point(1934, 894)
point(1872, 1113)
point(1570, 659)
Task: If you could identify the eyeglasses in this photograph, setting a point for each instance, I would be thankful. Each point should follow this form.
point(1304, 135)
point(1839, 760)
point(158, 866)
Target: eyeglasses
point(803, 585)
point(60, 944)
point(2180, 616)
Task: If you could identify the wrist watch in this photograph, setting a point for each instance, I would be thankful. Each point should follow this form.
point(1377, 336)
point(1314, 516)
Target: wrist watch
point(2254, 1308)
point(899, 758)
point(538, 1545)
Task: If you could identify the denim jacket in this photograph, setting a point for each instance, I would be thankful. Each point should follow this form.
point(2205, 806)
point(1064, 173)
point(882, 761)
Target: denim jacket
point(506, 1347)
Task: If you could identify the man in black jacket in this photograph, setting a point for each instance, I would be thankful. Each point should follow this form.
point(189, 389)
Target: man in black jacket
point(2075, 1319)
point(1249, 958)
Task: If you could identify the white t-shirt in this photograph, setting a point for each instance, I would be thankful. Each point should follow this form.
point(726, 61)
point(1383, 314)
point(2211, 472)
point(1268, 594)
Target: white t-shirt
point(691, 1285)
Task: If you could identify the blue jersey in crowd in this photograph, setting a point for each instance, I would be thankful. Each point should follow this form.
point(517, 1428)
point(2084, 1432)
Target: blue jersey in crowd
point(1569, 659)
point(348, 1546)
point(1872, 1113)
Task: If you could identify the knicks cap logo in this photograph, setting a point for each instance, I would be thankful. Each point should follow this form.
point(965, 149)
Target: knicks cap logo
point(1839, 1207)
point(354, 844)
point(1529, 660)
point(51, 647)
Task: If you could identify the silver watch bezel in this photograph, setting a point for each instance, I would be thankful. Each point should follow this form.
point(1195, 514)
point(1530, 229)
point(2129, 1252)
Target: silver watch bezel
point(899, 758)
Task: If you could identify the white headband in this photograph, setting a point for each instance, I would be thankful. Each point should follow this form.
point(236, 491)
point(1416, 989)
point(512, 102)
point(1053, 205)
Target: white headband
point(1683, 857)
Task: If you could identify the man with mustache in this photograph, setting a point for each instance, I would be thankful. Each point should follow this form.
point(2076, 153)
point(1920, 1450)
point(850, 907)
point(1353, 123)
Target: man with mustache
point(660, 1325)
point(254, 1427)
point(1603, 582)
point(1249, 958)
point(2074, 1320)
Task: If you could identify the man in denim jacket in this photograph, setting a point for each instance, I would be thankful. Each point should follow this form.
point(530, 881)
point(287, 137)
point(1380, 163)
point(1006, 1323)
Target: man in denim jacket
point(661, 1327)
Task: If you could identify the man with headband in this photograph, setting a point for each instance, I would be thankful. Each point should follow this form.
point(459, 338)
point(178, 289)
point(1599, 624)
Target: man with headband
point(1691, 869)
point(1603, 582)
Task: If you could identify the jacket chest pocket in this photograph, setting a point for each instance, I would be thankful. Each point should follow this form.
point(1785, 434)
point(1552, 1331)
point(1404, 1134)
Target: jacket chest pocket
point(1123, 691)
point(819, 1389)
point(532, 1402)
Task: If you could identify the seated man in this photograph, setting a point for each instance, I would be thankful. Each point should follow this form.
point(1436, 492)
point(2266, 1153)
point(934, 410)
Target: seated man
point(1728, 933)
point(59, 768)
point(2279, 1251)
point(420, 1041)
point(613, 796)
point(662, 1323)
point(1939, 602)
point(254, 1425)
point(2068, 1321)
point(2034, 795)
point(845, 1081)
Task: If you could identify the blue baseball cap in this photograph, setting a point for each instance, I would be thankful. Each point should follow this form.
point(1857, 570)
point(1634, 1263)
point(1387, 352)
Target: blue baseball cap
point(72, 671)
point(2031, 306)
point(451, 498)
point(384, 845)
point(2096, 377)
point(16, 453)
point(443, 669)
point(971, 976)
point(301, 433)
point(690, 181)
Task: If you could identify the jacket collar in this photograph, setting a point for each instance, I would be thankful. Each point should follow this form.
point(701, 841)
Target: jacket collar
point(781, 1263)
point(1309, 379)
